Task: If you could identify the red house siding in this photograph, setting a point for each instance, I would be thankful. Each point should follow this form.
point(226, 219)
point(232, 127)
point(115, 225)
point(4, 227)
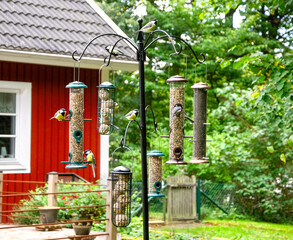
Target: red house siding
point(49, 139)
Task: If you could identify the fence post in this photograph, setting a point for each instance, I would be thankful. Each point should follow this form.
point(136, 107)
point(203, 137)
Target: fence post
point(52, 188)
point(1, 192)
point(198, 199)
point(110, 228)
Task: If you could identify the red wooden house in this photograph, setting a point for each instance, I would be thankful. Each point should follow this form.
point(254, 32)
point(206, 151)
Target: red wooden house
point(37, 39)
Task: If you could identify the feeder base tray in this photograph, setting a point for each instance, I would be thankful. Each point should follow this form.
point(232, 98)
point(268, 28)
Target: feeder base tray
point(76, 237)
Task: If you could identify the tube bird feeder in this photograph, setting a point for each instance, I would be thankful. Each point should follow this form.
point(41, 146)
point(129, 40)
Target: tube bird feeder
point(121, 178)
point(76, 124)
point(176, 127)
point(199, 125)
point(106, 106)
point(155, 173)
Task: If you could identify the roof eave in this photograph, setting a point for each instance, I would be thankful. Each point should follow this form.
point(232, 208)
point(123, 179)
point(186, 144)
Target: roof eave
point(63, 60)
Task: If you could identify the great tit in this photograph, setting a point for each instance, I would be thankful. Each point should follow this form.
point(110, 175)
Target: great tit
point(149, 27)
point(131, 115)
point(115, 52)
point(60, 114)
point(91, 160)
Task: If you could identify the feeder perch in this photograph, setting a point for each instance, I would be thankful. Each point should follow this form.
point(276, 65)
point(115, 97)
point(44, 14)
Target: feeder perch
point(76, 124)
point(106, 105)
point(121, 178)
point(176, 128)
point(199, 125)
point(155, 173)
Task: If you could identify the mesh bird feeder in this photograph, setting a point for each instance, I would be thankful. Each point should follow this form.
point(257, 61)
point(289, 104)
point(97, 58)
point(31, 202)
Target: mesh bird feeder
point(176, 127)
point(76, 124)
point(121, 178)
point(199, 125)
point(106, 106)
point(155, 173)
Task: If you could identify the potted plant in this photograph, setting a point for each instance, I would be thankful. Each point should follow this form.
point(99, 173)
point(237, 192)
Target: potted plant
point(81, 212)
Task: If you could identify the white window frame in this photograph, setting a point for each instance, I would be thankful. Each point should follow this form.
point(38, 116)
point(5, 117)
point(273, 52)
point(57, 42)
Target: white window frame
point(22, 161)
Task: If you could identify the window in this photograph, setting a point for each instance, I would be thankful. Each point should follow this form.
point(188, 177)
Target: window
point(15, 127)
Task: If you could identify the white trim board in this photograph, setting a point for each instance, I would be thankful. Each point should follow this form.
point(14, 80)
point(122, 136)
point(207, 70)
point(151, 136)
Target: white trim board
point(63, 60)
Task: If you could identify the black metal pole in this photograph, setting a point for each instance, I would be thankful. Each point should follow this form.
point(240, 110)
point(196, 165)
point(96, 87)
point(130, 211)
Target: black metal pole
point(141, 57)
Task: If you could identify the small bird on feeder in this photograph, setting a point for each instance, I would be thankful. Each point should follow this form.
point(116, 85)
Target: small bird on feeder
point(149, 27)
point(131, 115)
point(59, 115)
point(91, 160)
point(176, 111)
point(115, 52)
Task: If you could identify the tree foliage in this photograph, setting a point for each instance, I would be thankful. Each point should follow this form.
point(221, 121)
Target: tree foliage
point(250, 105)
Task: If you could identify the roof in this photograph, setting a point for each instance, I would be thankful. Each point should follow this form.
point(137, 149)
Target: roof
point(57, 27)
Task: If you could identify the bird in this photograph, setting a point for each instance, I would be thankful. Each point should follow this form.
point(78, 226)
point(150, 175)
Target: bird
point(115, 52)
point(131, 115)
point(91, 160)
point(176, 111)
point(59, 115)
point(149, 27)
point(116, 106)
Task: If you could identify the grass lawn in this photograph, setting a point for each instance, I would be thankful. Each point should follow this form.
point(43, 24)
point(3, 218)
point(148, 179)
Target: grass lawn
point(227, 229)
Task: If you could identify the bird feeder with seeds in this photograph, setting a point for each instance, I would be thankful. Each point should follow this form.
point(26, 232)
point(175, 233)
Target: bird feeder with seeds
point(176, 127)
point(106, 106)
point(76, 125)
point(155, 173)
point(121, 184)
point(199, 125)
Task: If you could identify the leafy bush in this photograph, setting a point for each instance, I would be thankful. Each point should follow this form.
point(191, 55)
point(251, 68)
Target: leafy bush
point(65, 200)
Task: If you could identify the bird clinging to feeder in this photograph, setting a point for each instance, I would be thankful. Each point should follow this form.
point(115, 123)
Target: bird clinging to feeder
point(59, 115)
point(91, 160)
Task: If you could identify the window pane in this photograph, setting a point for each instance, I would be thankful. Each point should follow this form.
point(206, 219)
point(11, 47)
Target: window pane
point(7, 124)
point(7, 102)
point(7, 147)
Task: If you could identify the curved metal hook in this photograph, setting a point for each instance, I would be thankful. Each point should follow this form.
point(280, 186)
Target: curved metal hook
point(101, 35)
point(125, 134)
point(155, 123)
point(111, 53)
point(166, 35)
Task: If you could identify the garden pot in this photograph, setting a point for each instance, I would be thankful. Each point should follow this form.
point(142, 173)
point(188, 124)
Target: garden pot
point(82, 228)
point(48, 214)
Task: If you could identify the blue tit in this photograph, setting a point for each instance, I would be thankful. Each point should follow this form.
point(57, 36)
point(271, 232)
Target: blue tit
point(59, 115)
point(91, 160)
point(149, 27)
point(176, 111)
point(131, 115)
point(115, 52)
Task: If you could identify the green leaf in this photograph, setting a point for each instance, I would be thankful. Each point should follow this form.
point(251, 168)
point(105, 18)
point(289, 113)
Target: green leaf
point(238, 102)
point(283, 157)
point(225, 64)
point(271, 149)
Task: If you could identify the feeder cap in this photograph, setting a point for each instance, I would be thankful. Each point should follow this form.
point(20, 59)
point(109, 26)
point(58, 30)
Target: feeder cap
point(200, 85)
point(177, 79)
point(76, 84)
point(106, 85)
point(155, 153)
point(121, 169)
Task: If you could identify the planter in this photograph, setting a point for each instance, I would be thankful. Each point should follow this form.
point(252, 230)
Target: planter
point(82, 228)
point(48, 214)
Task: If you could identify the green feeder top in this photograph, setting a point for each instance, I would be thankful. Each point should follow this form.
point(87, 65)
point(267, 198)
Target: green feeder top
point(76, 84)
point(106, 85)
point(121, 169)
point(155, 153)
